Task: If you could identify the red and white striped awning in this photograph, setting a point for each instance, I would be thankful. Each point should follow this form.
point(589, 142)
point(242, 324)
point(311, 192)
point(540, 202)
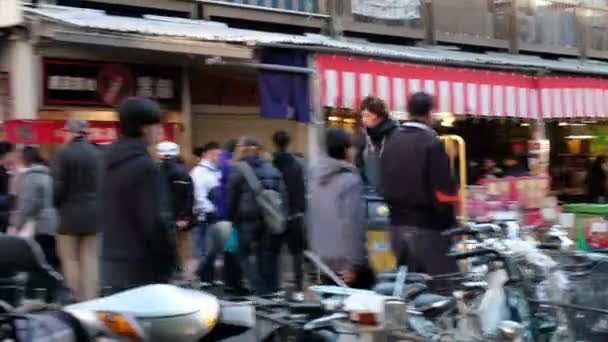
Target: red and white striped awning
point(345, 81)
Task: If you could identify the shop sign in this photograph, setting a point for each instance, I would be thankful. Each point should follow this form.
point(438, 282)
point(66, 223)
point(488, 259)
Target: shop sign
point(51, 132)
point(5, 96)
point(387, 9)
point(85, 83)
point(538, 156)
point(528, 192)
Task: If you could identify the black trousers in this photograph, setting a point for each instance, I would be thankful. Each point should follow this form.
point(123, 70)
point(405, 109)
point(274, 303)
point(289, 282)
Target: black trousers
point(295, 239)
point(422, 250)
point(48, 245)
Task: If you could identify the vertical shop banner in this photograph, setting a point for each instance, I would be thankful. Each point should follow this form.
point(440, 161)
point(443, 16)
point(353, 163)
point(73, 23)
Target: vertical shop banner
point(42, 132)
point(86, 83)
point(5, 96)
point(538, 156)
point(284, 95)
point(387, 9)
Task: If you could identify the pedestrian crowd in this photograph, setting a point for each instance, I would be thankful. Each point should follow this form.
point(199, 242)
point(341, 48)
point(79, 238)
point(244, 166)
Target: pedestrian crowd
point(132, 213)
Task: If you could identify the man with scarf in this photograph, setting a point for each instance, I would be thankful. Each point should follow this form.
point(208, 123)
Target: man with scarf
point(378, 128)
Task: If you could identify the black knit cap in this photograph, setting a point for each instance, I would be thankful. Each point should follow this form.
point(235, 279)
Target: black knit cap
point(337, 143)
point(135, 113)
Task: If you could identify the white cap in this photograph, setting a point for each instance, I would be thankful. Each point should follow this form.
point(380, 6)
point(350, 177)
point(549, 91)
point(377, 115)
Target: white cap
point(167, 149)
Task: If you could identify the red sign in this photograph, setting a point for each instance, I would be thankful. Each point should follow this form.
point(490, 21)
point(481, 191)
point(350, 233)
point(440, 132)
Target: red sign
point(528, 192)
point(41, 132)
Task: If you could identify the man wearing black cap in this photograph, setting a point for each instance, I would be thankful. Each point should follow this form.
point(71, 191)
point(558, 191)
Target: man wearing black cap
point(420, 191)
point(138, 245)
point(77, 177)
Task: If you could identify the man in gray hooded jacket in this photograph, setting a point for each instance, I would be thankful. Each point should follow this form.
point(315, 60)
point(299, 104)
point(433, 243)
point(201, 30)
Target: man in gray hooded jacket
point(337, 222)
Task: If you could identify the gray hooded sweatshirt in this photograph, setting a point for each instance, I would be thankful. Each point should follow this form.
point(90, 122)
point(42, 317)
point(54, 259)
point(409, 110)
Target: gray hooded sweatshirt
point(337, 229)
point(35, 201)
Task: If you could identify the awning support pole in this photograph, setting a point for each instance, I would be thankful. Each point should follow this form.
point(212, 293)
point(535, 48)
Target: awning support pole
point(186, 115)
point(317, 121)
point(262, 66)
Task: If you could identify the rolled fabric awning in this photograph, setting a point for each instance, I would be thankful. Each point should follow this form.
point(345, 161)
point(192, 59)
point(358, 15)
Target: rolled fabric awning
point(345, 81)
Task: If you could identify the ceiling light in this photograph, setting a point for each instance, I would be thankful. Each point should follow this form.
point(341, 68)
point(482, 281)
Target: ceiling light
point(580, 137)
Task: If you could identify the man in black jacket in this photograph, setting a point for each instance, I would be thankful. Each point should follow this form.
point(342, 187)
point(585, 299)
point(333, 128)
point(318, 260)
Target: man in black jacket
point(181, 191)
point(138, 245)
point(292, 169)
point(7, 200)
point(379, 127)
point(77, 179)
point(420, 191)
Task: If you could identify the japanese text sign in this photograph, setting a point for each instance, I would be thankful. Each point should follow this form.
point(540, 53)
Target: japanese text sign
point(85, 83)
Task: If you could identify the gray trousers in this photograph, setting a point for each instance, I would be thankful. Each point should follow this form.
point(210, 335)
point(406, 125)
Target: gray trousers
point(422, 250)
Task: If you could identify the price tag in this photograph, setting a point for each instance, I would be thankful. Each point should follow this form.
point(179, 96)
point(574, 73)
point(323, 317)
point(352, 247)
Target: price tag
point(599, 227)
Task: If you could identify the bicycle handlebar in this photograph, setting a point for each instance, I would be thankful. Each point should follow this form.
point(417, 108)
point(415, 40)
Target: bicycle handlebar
point(472, 229)
point(473, 253)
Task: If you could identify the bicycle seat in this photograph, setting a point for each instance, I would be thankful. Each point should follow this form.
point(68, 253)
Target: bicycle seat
point(391, 277)
point(433, 305)
point(410, 291)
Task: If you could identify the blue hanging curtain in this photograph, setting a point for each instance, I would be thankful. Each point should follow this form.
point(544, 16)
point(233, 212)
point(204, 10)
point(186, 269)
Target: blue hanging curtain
point(284, 95)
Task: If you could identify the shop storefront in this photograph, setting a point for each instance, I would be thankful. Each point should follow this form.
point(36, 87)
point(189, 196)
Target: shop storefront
point(497, 113)
point(90, 90)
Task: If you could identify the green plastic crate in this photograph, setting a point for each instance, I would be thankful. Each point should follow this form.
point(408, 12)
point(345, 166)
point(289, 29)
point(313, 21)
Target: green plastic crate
point(582, 212)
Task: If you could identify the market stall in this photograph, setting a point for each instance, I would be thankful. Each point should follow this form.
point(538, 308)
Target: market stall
point(500, 114)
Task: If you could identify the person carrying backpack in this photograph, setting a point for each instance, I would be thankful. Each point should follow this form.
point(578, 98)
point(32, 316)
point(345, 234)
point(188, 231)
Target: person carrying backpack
point(255, 204)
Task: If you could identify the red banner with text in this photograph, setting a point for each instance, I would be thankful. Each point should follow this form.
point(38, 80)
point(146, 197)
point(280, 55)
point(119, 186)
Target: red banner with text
point(41, 132)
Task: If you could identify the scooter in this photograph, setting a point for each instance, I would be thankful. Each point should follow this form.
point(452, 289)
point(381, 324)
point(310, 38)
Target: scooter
point(148, 313)
point(166, 313)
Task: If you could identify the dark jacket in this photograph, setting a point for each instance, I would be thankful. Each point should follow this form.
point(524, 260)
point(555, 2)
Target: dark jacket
point(370, 145)
point(597, 180)
point(137, 221)
point(77, 180)
point(293, 173)
point(242, 207)
point(418, 185)
point(7, 200)
point(181, 189)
